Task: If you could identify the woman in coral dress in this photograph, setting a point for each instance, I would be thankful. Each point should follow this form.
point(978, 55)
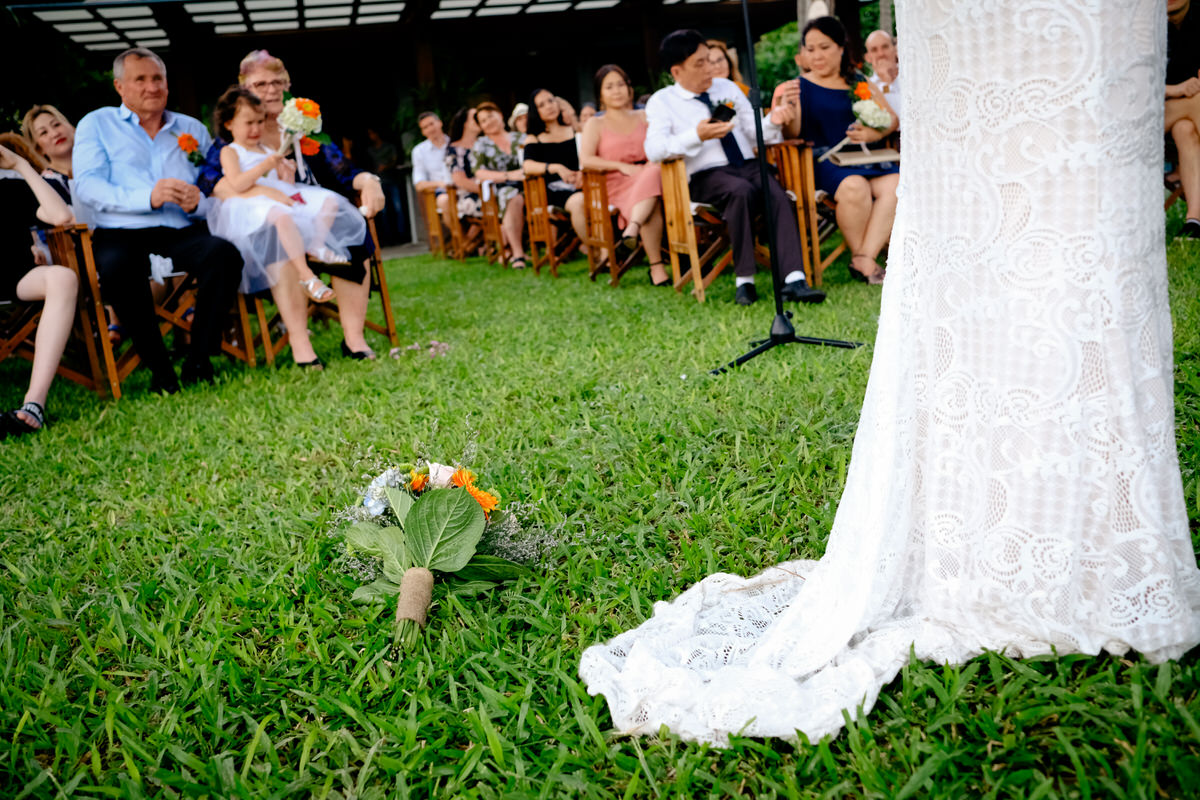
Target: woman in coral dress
point(614, 141)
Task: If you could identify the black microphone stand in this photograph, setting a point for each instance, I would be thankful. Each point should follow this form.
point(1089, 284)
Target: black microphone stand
point(782, 331)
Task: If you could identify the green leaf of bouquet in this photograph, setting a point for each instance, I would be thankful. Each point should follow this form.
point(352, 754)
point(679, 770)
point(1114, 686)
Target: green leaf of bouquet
point(491, 568)
point(443, 529)
point(375, 593)
point(400, 501)
point(387, 544)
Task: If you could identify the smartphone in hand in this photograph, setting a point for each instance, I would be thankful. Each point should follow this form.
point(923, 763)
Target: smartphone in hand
point(723, 113)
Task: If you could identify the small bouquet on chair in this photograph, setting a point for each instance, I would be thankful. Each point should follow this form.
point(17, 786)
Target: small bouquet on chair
point(300, 122)
point(871, 115)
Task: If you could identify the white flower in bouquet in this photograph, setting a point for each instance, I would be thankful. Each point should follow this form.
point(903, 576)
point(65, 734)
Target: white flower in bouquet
point(300, 116)
point(439, 475)
point(871, 114)
point(375, 499)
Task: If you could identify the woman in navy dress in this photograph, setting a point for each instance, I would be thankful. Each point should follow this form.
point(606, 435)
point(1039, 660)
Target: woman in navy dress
point(865, 195)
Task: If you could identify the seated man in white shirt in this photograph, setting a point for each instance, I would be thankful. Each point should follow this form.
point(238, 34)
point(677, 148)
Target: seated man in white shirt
point(720, 160)
point(881, 55)
point(429, 159)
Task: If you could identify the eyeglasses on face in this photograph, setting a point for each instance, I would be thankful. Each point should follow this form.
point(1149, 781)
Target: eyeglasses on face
point(259, 86)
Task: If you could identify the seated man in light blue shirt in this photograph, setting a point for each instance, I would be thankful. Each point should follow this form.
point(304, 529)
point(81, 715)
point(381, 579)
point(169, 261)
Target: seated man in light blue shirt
point(135, 173)
point(429, 159)
point(684, 120)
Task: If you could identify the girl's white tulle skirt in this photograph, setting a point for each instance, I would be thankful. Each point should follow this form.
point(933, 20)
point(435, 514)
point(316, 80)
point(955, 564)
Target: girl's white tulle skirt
point(252, 224)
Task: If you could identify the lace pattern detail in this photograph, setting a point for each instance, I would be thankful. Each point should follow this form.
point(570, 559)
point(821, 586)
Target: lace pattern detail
point(1019, 406)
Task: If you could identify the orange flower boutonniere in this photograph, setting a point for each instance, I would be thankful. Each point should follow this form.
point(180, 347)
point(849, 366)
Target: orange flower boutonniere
point(189, 145)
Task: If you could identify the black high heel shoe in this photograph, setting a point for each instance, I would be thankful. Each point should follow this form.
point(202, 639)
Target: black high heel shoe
point(357, 355)
point(650, 274)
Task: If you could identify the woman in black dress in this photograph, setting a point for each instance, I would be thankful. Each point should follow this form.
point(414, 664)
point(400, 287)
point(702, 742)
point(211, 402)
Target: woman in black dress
point(29, 201)
point(551, 151)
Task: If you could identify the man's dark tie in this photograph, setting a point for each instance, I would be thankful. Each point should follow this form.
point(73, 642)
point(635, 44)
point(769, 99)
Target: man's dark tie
point(728, 143)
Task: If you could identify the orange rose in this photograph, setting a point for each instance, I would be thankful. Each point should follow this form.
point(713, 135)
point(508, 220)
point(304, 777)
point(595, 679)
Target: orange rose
point(487, 502)
point(463, 477)
point(862, 91)
point(419, 479)
point(309, 147)
point(187, 143)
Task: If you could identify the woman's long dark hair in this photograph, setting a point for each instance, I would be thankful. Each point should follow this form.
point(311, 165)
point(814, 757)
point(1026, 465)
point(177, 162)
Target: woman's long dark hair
point(534, 125)
point(603, 73)
point(227, 107)
point(834, 30)
point(458, 123)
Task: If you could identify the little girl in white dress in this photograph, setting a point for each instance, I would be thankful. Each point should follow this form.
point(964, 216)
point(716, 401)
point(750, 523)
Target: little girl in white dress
point(272, 220)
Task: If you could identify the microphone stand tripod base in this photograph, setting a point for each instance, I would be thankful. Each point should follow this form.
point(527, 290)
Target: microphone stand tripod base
point(782, 332)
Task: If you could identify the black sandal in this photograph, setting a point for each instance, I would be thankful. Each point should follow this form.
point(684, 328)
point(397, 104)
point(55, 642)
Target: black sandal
point(517, 263)
point(357, 355)
point(650, 274)
point(16, 426)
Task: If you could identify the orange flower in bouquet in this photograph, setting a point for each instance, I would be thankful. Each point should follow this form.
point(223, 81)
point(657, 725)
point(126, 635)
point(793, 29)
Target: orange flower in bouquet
point(487, 501)
point(419, 480)
point(462, 477)
point(862, 90)
point(308, 108)
point(309, 147)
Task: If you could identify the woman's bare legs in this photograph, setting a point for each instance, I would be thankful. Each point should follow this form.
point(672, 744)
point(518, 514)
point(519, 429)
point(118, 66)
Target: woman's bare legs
point(352, 309)
point(292, 302)
point(513, 226)
point(648, 213)
point(1187, 143)
point(883, 214)
point(578, 214)
point(865, 211)
point(57, 288)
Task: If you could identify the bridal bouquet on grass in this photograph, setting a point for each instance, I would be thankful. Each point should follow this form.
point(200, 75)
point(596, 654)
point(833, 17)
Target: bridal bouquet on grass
point(421, 520)
point(300, 122)
point(868, 113)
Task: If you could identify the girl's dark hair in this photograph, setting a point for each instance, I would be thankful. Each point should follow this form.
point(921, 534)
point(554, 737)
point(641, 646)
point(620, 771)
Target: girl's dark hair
point(227, 106)
point(534, 125)
point(458, 123)
point(603, 73)
point(834, 30)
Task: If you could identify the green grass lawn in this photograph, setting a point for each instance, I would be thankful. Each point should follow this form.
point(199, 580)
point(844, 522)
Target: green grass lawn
point(174, 621)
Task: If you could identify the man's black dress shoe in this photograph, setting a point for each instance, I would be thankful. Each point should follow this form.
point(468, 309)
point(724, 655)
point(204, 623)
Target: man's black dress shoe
point(801, 292)
point(193, 372)
point(746, 294)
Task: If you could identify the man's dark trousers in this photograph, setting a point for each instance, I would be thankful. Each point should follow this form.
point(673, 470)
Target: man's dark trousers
point(123, 263)
point(735, 191)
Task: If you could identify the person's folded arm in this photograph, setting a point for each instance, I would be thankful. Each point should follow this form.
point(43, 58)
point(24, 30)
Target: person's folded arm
point(662, 140)
point(93, 175)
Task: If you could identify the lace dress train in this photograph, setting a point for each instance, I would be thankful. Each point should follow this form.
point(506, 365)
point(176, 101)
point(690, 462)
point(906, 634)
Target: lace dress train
point(1014, 483)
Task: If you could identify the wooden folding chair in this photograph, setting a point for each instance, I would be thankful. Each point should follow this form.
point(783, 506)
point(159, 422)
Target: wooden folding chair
point(427, 200)
point(71, 247)
point(493, 237)
point(598, 234)
point(462, 243)
point(695, 230)
point(793, 160)
point(378, 285)
point(543, 221)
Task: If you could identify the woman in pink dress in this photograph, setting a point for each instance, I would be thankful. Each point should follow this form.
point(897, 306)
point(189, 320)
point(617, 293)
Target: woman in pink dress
point(614, 141)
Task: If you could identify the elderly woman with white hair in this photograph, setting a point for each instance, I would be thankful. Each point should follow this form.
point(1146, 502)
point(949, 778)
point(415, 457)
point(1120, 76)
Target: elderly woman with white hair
point(267, 78)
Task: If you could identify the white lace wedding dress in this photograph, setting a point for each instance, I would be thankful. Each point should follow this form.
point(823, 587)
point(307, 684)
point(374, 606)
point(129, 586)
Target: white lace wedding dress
point(1014, 483)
